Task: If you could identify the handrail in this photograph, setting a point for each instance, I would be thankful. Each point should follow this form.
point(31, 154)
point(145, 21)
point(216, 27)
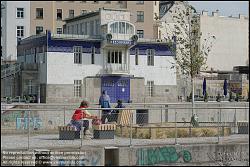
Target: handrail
point(48, 109)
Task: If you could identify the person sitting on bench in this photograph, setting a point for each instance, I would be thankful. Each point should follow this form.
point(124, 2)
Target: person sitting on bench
point(80, 114)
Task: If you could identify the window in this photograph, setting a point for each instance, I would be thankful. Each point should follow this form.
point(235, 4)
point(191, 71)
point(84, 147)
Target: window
point(77, 29)
point(39, 13)
point(119, 2)
point(20, 31)
point(96, 27)
point(77, 88)
point(140, 33)
point(59, 14)
point(139, 2)
point(71, 13)
point(150, 86)
point(86, 28)
point(155, 3)
point(136, 56)
point(91, 27)
point(96, 1)
point(150, 55)
point(20, 13)
point(77, 54)
point(114, 57)
point(59, 30)
point(93, 55)
point(140, 16)
point(84, 12)
point(39, 29)
point(122, 27)
point(108, 2)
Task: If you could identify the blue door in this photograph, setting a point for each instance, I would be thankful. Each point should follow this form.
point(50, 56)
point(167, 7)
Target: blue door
point(118, 88)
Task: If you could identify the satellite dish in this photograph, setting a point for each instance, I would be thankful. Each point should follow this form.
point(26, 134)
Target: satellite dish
point(109, 37)
point(135, 38)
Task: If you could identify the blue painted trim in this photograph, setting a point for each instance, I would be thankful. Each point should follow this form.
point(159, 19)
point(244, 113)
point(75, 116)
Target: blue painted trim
point(66, 46)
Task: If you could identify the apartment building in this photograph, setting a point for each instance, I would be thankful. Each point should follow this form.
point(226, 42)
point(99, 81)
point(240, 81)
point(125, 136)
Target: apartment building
point(15, 25)
point(50, 15)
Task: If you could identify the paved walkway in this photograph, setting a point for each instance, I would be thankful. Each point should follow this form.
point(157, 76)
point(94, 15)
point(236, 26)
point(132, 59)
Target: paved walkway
point(51, 141)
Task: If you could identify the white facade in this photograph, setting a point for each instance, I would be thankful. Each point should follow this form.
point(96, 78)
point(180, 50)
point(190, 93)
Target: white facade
point(61, 69)
point(161, 73)
point(231, 47)
point(15, 15)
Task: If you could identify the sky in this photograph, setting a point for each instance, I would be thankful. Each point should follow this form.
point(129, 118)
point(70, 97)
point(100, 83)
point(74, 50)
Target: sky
point(226, 8)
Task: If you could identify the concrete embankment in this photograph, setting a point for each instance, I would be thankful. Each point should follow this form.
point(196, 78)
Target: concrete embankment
point(181, 155)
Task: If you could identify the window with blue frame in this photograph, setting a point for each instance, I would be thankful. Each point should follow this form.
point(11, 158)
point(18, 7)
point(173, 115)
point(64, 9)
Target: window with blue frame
point(77, 54)
point(150, 56)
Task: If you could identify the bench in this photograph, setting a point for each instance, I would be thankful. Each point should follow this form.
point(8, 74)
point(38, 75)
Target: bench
point(107, 131)
point(68, 133)
point(242, 127)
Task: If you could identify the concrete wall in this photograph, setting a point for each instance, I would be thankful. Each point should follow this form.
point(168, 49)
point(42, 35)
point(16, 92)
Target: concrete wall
point(180, 155)
point(88, 156)
point(222, 154)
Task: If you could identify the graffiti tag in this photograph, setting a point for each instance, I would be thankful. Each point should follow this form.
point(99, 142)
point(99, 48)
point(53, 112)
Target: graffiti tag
point(151, 156)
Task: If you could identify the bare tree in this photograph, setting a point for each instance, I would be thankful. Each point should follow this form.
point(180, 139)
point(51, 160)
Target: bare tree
point(184, 40)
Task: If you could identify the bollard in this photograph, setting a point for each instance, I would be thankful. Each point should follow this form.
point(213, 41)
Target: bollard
point(64, 115)
point(218, 128)
point(235, 120)
point(28, 128)
point(130, 142)
point(161, 114)
point(175, 141)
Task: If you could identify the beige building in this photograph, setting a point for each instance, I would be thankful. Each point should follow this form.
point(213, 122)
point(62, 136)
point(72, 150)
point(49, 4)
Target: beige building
point(35, 17)
point(50, 15)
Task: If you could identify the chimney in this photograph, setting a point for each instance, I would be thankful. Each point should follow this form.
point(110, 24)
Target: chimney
point(241, 16)
point(204, 12)
point(216, 13)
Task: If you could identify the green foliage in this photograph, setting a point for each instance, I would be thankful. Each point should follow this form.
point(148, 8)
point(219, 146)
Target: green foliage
point(189, 56)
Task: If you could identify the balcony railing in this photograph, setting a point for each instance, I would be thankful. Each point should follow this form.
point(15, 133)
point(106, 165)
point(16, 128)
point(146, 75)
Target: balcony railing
point(116, 68)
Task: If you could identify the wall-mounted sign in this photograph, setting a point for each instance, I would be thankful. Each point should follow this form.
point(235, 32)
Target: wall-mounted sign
point(121, 42)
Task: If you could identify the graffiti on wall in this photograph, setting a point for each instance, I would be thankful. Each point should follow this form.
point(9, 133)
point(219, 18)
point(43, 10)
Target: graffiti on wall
point(151, 156)
point(229, 158)
point(22, 123)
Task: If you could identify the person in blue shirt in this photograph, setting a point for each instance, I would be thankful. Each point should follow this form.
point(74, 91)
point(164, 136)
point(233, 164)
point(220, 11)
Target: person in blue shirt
point(104, 101)
point(114, 114)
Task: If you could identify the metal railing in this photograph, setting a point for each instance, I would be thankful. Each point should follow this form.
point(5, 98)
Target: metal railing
point(34, 126)
point(116, 68)
point(13, 69)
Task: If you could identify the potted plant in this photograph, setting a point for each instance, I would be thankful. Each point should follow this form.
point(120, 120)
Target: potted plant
point(237, 97)
point(206, 97)
point(218, 98)
point(230, 96)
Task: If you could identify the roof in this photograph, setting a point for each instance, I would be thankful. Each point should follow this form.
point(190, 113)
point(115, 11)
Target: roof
point(83, 16)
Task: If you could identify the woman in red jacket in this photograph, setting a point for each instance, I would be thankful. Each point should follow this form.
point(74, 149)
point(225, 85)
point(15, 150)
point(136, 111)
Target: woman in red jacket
point(81, 114)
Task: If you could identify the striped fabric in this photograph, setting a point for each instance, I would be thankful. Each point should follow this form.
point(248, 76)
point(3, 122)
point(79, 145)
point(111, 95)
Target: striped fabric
point(124, 117)
point(66, 128)
point(104, 127)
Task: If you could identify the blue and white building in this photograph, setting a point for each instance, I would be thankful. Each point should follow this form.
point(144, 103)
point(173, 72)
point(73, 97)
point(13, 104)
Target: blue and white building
point(98, 51)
